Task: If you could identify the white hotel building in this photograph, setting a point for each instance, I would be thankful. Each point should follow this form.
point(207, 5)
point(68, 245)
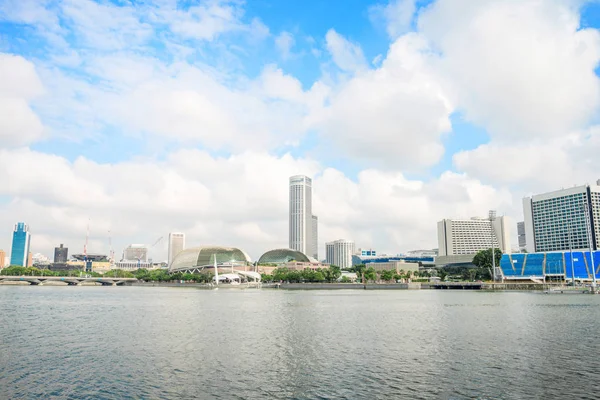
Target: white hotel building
point(303, 225)
point(340, 253)
point(468, 236)
point(556, 221)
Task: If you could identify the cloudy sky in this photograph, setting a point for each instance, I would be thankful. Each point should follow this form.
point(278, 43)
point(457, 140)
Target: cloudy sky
point(150, 116)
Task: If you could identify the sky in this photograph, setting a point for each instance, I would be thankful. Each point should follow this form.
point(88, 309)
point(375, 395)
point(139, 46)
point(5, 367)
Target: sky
point(143, 117)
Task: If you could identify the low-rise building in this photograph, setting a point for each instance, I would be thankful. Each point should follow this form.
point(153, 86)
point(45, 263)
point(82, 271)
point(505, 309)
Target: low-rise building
point(395, 266)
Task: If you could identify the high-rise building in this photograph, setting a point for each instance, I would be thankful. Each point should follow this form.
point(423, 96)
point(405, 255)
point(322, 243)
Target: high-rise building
point(301, 221)
point(315, 237)
point(468, 236)
point(19, 253)
point(30, 259)
point(61, 254)
point(558, 220)
point(176, 244)
point(521, 235)
point(136, 252)
point(2, 259)
point(340, 253)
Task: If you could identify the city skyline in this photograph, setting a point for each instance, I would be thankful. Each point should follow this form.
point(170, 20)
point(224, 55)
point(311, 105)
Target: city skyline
point(150, 118)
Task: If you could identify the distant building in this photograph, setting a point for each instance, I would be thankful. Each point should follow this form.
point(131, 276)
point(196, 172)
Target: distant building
point(315, 237)
point(468, 236)
point(521, 235)
point(30, 259)
point(136, 252)
point(2, 259)
point(366, 253)
point(301, 218)
point(176, 244)
point(61, 254)
point(556, 221)
point(340, 253)
point(395, 266)
point(19, 254)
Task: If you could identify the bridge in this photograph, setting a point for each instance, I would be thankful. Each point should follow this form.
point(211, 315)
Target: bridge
point(69, 280)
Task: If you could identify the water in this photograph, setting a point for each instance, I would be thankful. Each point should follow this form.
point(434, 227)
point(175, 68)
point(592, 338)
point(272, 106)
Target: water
point(167, 343)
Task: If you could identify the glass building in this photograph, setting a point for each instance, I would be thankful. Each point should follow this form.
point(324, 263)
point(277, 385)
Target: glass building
point(197, 258)
point(562, 220)
point(282, 256)
point(19, 254)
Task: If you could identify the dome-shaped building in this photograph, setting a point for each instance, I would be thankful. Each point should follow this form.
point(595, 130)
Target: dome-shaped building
point(282, 256)
point(199, 257)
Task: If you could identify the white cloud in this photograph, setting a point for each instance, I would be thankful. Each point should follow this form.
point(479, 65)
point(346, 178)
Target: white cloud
point(397, 16)
point(346, 55)
point(284, 42)
point(19, 84)
point(520, 69)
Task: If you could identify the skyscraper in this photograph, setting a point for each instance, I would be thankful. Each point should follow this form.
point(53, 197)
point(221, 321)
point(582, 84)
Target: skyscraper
point(176, 244)
point(301, 219)
point(340, 253)
point(315, 237)
point(521, 235)
point(19, 252)
point(559, 220)
point(61, 254)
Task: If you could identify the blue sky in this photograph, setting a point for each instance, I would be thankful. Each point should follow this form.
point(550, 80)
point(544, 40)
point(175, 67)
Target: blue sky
point(404, 112)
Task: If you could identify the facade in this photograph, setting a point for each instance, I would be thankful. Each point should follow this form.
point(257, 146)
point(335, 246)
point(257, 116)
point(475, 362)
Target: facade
point(2, 259)
point(315, 237)
point(468, 236)
point(366, 253)
point(424, 259)
point(301, 221)
point(135, 252)
point(19, 254)
point(198, 258)
point(561, 266)
point(563, 219)
point(61, 254)
point(282, 256)
point(340, 253)
point(176, 244)
point(395, 266)
point(521, 235)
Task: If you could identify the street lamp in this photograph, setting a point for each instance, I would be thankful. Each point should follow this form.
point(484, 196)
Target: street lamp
point(492, 216)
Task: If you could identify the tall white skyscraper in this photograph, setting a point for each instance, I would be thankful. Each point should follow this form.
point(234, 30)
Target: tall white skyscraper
point(301, 220)
point(315, 237)
point(340, 253)
point(468, 236)
point(176, 244)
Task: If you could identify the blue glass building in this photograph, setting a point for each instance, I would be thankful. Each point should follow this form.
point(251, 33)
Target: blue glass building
point(20, 245)
point(563, 265)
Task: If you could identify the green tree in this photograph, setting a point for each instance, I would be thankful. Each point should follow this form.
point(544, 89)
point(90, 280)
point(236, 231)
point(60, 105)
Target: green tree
point(442, 274)
point(387, 275)
point(370, 274)
point(483, 259)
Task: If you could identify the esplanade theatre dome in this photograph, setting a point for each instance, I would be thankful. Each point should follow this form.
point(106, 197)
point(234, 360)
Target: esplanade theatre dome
point(282, 256)
point(199, 257)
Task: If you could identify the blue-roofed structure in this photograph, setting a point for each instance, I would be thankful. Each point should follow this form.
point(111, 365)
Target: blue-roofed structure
point(565, 265)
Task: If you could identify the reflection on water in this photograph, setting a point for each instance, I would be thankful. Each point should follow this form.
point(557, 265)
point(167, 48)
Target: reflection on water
point(107, 342)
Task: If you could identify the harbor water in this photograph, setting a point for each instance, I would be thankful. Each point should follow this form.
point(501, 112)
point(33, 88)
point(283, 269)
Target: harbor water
point(172, 343)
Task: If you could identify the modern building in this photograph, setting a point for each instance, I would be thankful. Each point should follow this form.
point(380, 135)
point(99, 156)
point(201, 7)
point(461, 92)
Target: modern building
point(61, 254)
point(176, 244)
point(135, 252)
point(282, 256)
point(468, 236)
point(521, 235)
point(557, 266)
point(395, 266)
point(196, 259)
point(315, 237)
point(366, 253)
point(2, 259)
point(339, 252)
point(427, 260)
point(563, 219)
point(301, 221)
point(19, 254)
point(30, 259)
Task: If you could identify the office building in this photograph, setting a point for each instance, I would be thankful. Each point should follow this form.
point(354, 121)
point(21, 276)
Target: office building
point(136, 252)
point(19, 253)
point(468, 236)
point(521, 235)
point(176, 244)
point(2, 259)
point(30, 259)
point(61, 254)
point(301, 219)
point(558, 220)
point(315, 237)
point(340, 253)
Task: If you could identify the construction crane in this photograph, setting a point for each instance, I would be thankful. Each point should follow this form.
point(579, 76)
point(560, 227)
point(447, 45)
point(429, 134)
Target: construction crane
point(151, 247)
